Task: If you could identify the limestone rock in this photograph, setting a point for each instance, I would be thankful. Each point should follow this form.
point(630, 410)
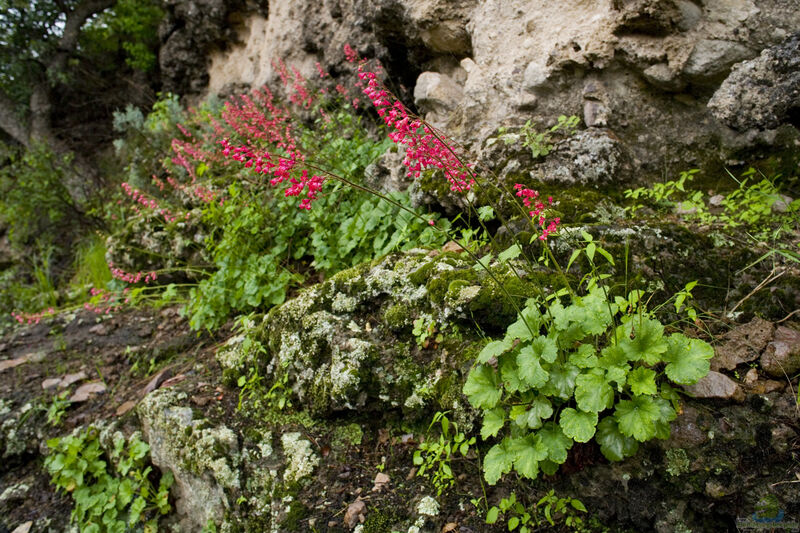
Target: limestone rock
point(716, 385)
point(590, 157)
point(528, 59)
point(713, 57)
point(742, 344)
point(664, 77)
point(763, 92)
point(782, 356)
point(437, 93)
point(203, 460)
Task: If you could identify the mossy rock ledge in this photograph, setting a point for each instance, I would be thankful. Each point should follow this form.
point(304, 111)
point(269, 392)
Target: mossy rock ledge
point(348, 343)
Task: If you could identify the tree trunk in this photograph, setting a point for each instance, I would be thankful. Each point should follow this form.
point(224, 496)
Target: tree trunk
point(37, 129)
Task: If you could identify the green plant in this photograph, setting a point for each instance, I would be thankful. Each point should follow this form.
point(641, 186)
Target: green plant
point(541, 143)
point(112, 489)
point(58, 407)
point(433, 457)
point(424, 330)
point(598, 367)
point(550, 508)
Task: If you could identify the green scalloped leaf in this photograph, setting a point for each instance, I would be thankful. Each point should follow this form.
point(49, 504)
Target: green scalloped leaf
point(578, 425)
point(528, 451)
point(557, 443)
point(530, 370)
point(642, 381)
point(482, 387)
point(614, 445)
point(562, 381)
point(539, 410)
point(637, 417)
point(593, 393)
point(688, 360)
point(642, 339)
point(498, 461)
point(510, 374)
point(545, 348)
point(493, 421)
point(584, 357)
point(493, 349)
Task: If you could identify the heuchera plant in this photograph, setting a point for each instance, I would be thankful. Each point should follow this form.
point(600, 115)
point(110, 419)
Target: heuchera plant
point(594, 368)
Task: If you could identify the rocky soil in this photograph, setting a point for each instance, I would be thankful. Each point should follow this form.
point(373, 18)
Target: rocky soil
point(330, 447)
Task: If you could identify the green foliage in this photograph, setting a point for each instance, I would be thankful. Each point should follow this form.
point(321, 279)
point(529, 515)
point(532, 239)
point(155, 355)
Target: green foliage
point(549, 508)
point(112, 490)
point(256, 268)
point(433, 457)
point(424, 330)
point(541, 143)
point(749, 206)
point(34, 202)
point(91, 268)
point(129, 27)
point(596, 367)
point(58, 408)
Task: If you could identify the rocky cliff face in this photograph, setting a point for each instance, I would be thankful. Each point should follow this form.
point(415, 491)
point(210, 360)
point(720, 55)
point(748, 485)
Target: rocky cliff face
point(661, 83)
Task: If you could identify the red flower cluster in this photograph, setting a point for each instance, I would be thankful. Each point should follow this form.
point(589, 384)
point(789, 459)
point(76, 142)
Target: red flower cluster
point(424, 148)
point(128, 277)
point(107, 302)
point(32, 318)
point(530, 198)
point(267, 122)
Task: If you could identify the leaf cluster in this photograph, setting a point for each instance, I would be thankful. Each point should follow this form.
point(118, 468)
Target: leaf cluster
point(112, 490)
point(595, 368)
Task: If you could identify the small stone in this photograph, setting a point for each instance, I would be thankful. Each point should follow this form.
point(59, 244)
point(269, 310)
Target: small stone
point(782, 204)
point(11, 363)
point(527, 102)
point(173, 380)
point(716, 385)
point(157, 380)
point(86, 390)
point(712, 57)
point(355, 512)
point(595, 114)
point(23, 528)
point(716, 200)
point(662, 76)
point(751, 376)
point(380, 483)
point(782, 356)
point(125, 407)
point(101, 330)
point(742, 344)
point(69, 379)
point(50, 383)
point(535, 75)
point(452, 246)
point(437, 92)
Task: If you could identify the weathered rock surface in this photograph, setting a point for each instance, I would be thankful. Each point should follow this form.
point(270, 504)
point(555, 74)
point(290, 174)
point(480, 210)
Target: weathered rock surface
point(764, 92)
point(782, 356)
point(716, 385)
point(742, 344)
point(658, 62)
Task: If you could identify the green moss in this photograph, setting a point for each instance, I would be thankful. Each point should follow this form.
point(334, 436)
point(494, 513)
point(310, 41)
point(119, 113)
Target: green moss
point(677, 461)
point(346, 436)
point(297, 512)
point(398, 317)
point(440, 283)
point(380, 521)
